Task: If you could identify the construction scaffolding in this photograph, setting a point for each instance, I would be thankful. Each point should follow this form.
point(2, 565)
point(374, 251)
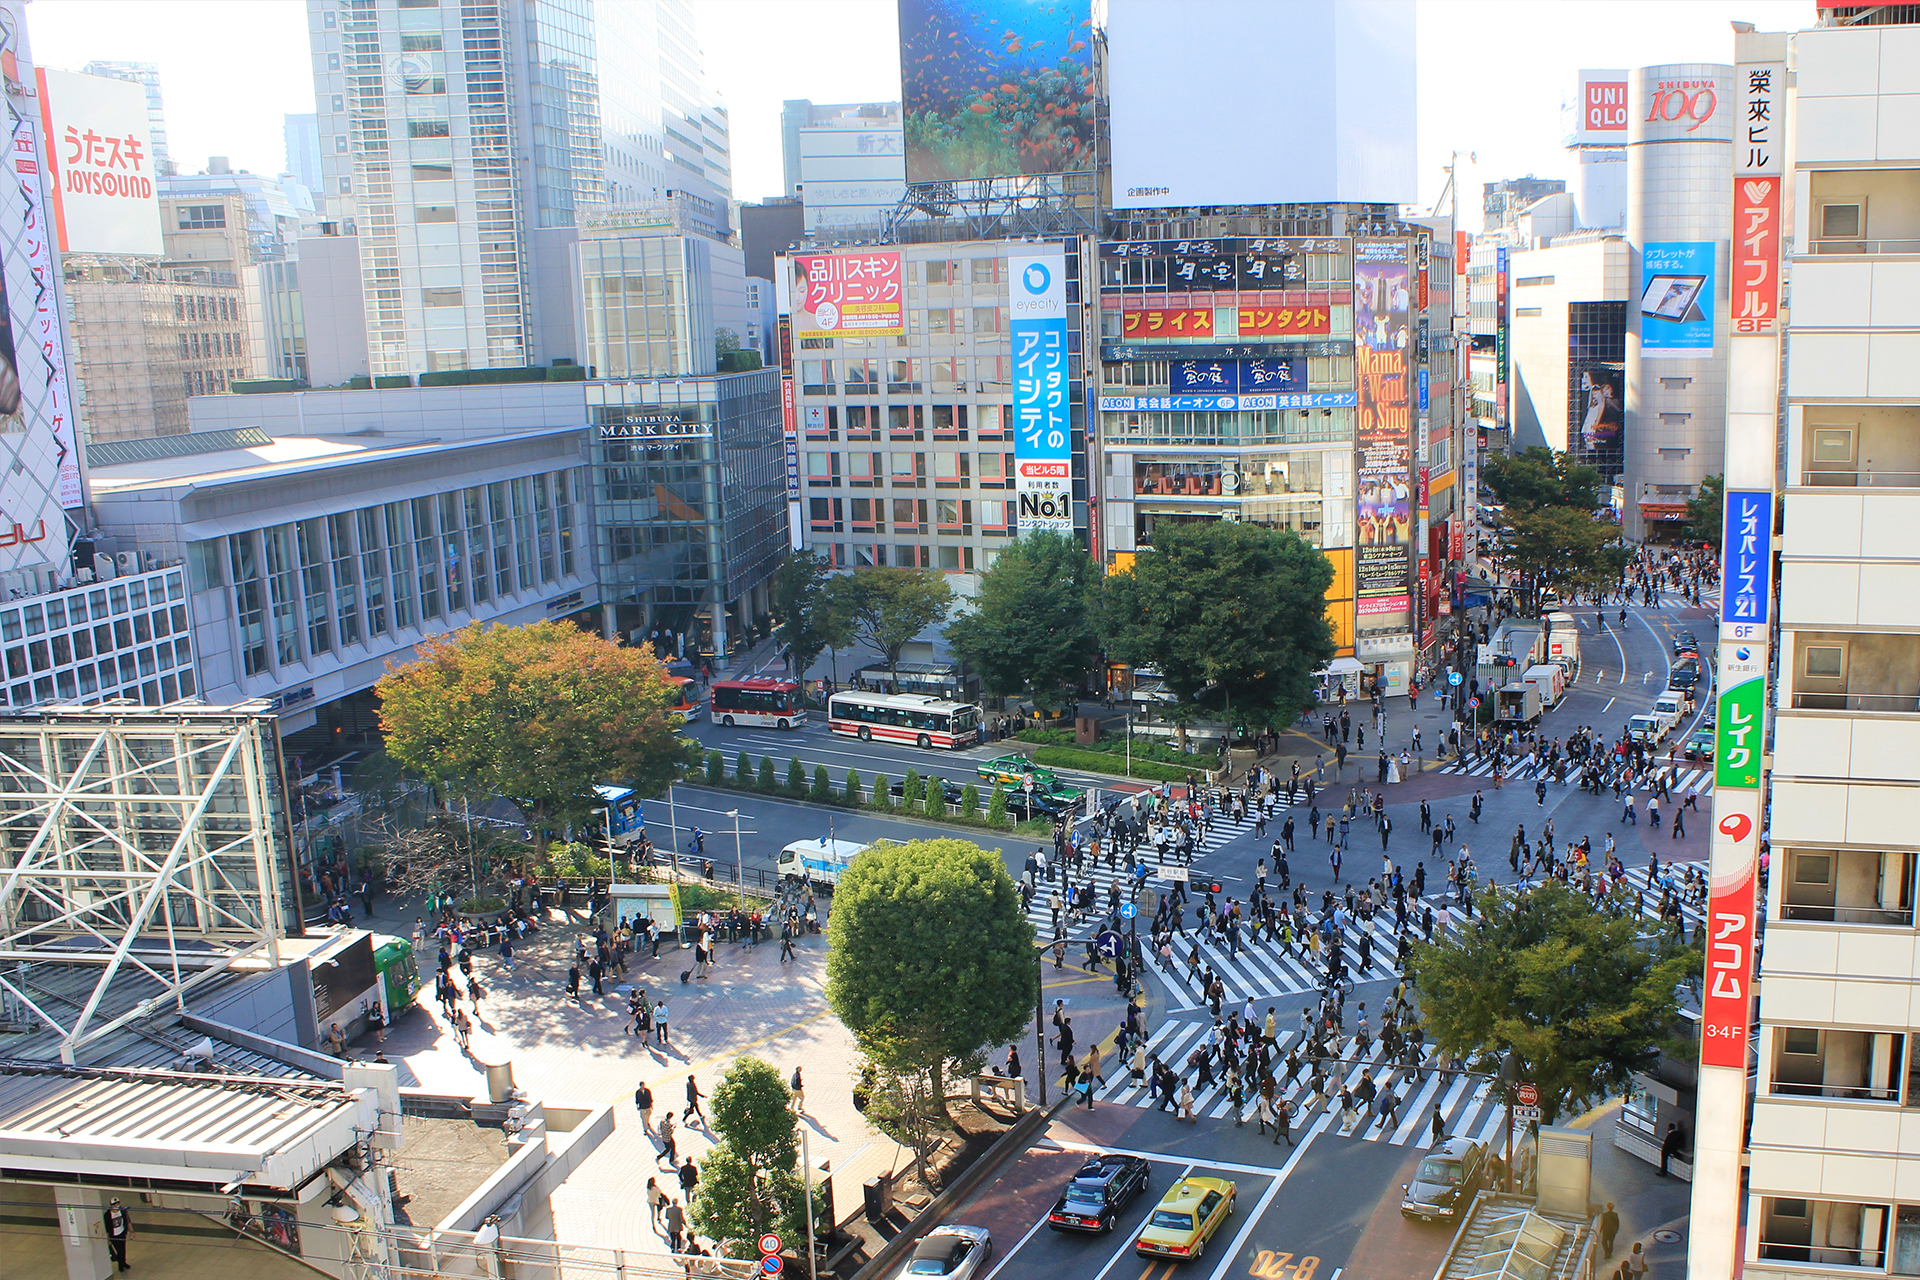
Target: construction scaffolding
point(152, 840)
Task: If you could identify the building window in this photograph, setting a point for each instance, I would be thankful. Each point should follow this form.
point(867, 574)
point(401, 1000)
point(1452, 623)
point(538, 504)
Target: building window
point(202, 217)
point(906, 422)
point(956, 559)
point(949, 422)
point(825, 515)
point(954, 515)
point(909, 515)
point(823, 469)
point(950, 470)
point(427, 129)
point(863, 422)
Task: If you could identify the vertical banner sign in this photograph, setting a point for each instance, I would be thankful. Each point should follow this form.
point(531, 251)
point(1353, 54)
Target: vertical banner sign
point(1500, 337)
point(1757, 177)
point(783, 278)
point(1382, 289)
point(791, 433)
point(1746, 591)
point(1043, 456)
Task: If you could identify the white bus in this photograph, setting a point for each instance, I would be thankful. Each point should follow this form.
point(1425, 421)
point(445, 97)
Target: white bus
point(905, 717)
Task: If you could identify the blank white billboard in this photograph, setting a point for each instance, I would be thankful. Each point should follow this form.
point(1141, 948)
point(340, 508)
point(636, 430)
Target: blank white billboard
point(99, 164)
point(1227, 102)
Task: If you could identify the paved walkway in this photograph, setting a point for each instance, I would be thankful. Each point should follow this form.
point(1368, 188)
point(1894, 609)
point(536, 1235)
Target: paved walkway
point(574, 1053)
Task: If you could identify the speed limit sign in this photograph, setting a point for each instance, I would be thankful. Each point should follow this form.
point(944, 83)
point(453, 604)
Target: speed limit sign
point(769, 1243)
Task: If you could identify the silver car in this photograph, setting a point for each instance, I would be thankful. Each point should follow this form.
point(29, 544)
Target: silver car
point(949, 1253)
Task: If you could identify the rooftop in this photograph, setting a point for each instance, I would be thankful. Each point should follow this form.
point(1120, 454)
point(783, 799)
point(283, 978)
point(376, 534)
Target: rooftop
point(278, 456)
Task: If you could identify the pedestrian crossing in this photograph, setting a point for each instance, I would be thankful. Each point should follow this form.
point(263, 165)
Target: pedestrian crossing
point(1468, 1107)
point(1680, 779)
point(1040, 909)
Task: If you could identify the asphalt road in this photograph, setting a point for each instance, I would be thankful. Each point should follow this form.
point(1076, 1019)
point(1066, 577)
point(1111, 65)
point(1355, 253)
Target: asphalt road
point(1331, 1203)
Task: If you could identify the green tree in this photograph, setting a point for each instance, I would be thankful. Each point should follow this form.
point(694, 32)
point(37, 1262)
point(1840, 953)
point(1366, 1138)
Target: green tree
point(997, 807)
point(853, 786)
point(936, 805)
point(796, 777)
point(716, 768)
point(743, 769)
point(882, 795)
point(969, 800)
point(910, 789)
point(805, 624)
point(822, 785)
point(1563, 548)
point(887, 608)
point(766, 774)
point(1542, 478)
point(1574, 992)
point(538, 714)
point(1704, 512)
point(1033, 631)
point(750, 1183)
point(930, 959)
point(1231, 614)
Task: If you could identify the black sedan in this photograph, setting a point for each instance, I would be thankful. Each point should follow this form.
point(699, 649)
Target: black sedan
point(948, 787)
point(1042, 807)
point(1093, 1201)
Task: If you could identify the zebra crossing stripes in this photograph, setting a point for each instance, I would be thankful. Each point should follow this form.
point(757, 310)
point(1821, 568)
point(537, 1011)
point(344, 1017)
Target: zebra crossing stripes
point(1467, 1106)
point(1680, 779)
point(1040, 911)
point(1264, 969)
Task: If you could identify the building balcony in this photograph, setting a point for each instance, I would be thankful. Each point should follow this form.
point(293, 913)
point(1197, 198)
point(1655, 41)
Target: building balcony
point(1857, 887)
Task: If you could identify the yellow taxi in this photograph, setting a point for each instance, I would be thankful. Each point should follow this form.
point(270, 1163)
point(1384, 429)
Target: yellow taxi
point(1186, 1217)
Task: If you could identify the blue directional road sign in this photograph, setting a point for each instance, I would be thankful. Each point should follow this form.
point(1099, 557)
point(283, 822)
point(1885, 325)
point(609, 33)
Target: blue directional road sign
point(1108, 944)
point(1128, 911)
point(1453, 677)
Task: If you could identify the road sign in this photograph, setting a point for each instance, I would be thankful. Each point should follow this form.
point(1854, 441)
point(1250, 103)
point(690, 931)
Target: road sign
point(1108, 944)
point(771, 1264)
point(1173, 873)
point(1473, 702)
point(769, 1243)
point(1453, 677)
point(1524, 1114)
point(1527, 1095)
point(1128, 911)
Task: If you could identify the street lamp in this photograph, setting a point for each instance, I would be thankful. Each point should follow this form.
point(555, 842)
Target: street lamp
point(1509, 1077)
point(739, 881)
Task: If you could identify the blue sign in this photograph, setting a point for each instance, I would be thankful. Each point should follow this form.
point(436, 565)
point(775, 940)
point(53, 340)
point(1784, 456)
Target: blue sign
point(1280, 400)
point(1128, 911)
point(1423, 391)
point(771, 1264)
point(1677, 299)
point(1746, 557)
point(1268, 373)
point(1453, 677)
point(1108, 944)
point(1041, 392)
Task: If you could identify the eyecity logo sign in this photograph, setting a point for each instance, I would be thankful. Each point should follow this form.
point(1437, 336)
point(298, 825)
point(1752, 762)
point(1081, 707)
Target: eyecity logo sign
point(1036, 278)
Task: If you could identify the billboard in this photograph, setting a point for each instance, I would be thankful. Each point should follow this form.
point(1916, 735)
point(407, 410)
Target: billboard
point(862, 293)
point(1746, 552)
point(1231, 377)
point(1342, 71)
point(992, 88)
point(1596, 115)
point(1042, 395)
point(1598, 392)
point(39, 452)
point(1382, 289)
point(99, 163)
point(1676, 300)
point(1158, 322)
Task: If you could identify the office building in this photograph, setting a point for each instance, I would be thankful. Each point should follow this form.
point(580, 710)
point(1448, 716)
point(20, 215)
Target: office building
point(846, 162)
point(1567, 338)
point(1831, 1183)
point(462, 146)
point(302, 131)
point(147, 76)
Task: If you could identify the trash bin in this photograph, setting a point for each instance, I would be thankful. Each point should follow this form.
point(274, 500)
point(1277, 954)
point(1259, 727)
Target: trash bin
point(879, 1197)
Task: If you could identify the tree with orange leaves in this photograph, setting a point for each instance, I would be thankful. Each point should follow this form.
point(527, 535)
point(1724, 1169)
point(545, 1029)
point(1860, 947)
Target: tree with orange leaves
point(538, 714)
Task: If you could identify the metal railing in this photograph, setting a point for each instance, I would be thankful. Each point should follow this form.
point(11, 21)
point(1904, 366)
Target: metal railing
point(1897, 703)
point(1851, 245)
point(1866, 477)
point(1827, 913)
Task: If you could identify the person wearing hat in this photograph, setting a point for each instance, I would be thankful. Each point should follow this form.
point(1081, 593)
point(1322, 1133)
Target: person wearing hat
point(119, 1224)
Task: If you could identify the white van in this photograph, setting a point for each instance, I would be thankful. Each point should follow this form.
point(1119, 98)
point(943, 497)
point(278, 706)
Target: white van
point(1647, 728)
point(822, 861)
point(1670, 707)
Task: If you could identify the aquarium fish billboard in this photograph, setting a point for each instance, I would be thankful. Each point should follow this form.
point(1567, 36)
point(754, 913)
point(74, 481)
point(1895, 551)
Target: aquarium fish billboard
point(993, 88)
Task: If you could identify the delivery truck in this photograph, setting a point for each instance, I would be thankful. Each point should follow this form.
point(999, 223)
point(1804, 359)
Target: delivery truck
point(1550, 679)
point(1516, 704)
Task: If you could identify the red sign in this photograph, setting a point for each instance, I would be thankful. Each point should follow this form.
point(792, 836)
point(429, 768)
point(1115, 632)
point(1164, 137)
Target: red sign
point(1605, 108)
point(1461, 252)
point(1457, 533)
point(1527, 1095)
point(1675, 100)
point(1756, 253)
point(1274, 322)
point(1185, 322)
point(860, 293)
point(1726, 1008)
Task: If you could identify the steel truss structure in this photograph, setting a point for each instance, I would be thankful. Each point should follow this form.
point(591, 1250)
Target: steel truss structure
point(149, 842)
point(1031, 204)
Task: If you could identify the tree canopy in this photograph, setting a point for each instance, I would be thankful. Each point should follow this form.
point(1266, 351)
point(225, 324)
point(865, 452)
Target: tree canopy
point(930, 959)
point(749, 1181)
point(1705, 511)
point(538, 714)
point(1033, 631)
point(1230, 614)
point(806, 622)
point(889, 607)
point(1573, 992)
point(1564, 548)
point(1542, 478)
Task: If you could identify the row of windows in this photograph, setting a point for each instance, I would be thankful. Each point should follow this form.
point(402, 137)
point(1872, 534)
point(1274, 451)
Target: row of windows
point(951, 470)
point(859, 555)
point(866, 375)
point(209, 382)
point(202, 217)
point(211, 346)
point(204, 308)
point(126, 639)
point(907, 421)
point(998, 517)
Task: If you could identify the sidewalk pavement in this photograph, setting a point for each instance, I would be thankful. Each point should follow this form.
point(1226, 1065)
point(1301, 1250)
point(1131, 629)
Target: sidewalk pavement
point(575, 1053)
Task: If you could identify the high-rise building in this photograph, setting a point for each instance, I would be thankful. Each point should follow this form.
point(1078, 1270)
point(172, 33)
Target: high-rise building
point(147, 76)
point(1825, 182)
point(303, 149)
point(461, 145)
point(846, 161)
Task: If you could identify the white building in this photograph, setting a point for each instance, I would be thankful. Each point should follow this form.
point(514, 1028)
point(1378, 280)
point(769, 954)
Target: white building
point(1832, 1185)
point(847, 161)
point(460, 144)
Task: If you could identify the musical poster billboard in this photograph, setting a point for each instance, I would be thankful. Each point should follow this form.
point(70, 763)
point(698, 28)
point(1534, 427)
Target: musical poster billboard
point(1382, 295)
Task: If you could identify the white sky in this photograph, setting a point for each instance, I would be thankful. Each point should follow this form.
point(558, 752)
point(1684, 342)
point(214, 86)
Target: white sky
point(1492, 72)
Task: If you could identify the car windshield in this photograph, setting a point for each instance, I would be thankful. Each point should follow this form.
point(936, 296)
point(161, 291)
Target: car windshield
point(1093, 1195)
point(1444, 1172)
point(929, 1267)
point(1173, 1219)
